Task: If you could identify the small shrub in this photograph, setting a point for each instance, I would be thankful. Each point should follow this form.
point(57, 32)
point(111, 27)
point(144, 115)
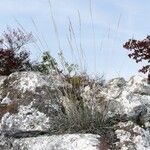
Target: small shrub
point(48, 64)
point(13, 56)
point(140, 51)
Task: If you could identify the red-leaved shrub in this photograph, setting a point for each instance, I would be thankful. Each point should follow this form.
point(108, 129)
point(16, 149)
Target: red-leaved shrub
point(139, 51)
point(13, 56)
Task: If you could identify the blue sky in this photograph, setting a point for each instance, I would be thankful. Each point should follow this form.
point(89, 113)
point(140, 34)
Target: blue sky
point(114, 22)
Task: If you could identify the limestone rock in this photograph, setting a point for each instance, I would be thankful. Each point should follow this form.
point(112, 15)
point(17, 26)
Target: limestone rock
point(132, 137)
point(30, 101)
point(27, 119)
point(59, 142)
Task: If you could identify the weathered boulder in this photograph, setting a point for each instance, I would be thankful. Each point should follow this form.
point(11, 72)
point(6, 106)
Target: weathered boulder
point(31, 101)
point(32, 107)
point(132, 137)
point(28, 118)
point(59, 142)
point(119, 97)
point(135, 100)
point(126, 99)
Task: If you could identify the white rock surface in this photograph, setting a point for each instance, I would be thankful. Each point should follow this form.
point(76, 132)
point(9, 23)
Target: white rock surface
point(39, 100)
point(27, 119)
point(59, 142)
point(115, 87)
point(5, 143)
point(28, 81)
point(132, 137)
point(131, 98)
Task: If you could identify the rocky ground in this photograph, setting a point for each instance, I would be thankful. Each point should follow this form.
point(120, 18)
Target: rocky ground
point(55, 112)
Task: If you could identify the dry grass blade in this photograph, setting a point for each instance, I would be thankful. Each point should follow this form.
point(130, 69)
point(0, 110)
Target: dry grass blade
point(38, 35)
point(55, 26)
point(94, 39)
point(72, 50)
point(35, 43)
point(71, 29)
point(81, 48)
point(60, 50)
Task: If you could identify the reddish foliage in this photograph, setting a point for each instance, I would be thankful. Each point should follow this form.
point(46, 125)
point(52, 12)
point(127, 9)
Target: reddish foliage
point(12, 55)
point(139, 51)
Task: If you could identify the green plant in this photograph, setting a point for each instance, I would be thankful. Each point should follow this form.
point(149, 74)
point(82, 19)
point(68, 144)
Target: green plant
point(48, 63)
point(70, 69)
